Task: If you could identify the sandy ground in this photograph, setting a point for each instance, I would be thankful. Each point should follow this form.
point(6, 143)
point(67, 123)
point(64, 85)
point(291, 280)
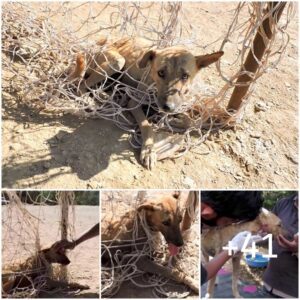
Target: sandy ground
point(121, 202)
point(84, 266)
point(50, 152)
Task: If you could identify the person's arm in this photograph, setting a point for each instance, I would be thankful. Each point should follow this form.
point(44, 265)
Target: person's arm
point(94, 231)
point(292, 246)
point(214, 265)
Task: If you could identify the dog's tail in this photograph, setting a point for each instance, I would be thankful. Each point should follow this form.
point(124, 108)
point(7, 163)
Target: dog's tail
point(79, 69)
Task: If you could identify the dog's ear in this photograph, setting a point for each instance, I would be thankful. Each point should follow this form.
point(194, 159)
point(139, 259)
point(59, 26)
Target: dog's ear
point(148, 206)
point(176, 194)
point(207, 59)
point(146, 58)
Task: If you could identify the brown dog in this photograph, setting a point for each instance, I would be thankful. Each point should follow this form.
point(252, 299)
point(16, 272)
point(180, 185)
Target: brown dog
point(161, 215)
point(213, 239)
point(128, 234)
point(171, 69)
point(25, 275)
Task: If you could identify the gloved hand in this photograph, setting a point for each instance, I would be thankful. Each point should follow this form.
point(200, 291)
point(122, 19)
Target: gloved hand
point(239, 240)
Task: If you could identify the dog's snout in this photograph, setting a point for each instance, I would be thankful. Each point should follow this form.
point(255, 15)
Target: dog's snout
point(65, 261)
point(179, 243)
point(169, 107)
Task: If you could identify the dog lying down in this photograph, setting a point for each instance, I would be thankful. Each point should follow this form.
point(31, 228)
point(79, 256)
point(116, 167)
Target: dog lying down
point(35, 271)
point(140, 65)
point(160, 215)
point(213, 239)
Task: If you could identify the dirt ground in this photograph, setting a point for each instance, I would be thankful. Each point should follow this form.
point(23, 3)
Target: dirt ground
point(121, 202)
point(41, 151)
point(84, 266)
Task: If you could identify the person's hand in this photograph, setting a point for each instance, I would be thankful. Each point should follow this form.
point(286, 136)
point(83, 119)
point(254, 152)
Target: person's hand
point(238, 242)
point(289, 245)
point(64, 244)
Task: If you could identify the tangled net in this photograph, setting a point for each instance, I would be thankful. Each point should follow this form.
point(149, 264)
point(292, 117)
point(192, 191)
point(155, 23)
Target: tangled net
point(40, 44)
point(122, 265)
point(22, 225)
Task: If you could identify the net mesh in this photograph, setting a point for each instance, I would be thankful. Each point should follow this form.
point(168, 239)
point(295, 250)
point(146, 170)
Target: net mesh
point(40, 44)
point(122, 266)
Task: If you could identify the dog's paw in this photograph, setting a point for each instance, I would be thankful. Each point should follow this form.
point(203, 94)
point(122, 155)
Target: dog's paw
point(148, 157)
point(181, 122)
point(78, 286)
point(85, 287)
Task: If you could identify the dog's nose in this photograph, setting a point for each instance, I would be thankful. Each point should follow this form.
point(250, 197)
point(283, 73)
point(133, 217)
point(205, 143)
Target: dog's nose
point(169, 107)
point(179, 243)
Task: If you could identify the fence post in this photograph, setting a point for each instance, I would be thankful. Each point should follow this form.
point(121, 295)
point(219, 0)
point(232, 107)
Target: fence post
point(64, 221)
point(255, 55)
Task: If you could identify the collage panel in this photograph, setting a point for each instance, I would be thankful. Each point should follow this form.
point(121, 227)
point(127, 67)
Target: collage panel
point(111, 91)
point(249, 244)
point(150, 242)
point(50, 244)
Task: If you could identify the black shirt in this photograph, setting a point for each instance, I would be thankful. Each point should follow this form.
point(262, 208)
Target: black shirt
point(282, 272)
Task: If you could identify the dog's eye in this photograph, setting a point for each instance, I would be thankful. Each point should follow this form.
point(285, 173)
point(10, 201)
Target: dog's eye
point(167, 223)
point(161, 73)
point(185, 76)
point(180, 219)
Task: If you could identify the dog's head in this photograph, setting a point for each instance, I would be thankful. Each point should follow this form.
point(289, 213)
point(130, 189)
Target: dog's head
point(271, 223)
point(55, 254)
point(163, 215)
point(173, 70)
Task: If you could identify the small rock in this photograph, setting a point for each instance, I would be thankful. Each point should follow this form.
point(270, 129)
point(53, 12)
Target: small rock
point(277, 172)
point(255, 135)
point(239, 177)
point(260, 106)
point(47, 165)
point(60, 135)
point(287, 84)
point(251, 168)
point(188, 182)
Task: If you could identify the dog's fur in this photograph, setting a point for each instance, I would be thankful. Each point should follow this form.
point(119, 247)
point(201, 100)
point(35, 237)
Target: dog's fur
point(25, 274)
point(172, 70)
point(213, 239)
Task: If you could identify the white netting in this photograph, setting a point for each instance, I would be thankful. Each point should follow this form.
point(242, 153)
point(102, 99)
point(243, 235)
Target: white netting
point(119, 209)
point(40, 43)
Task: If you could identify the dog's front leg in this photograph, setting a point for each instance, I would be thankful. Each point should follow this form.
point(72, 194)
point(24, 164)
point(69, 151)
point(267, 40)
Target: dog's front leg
point(51, 283)
point(236, 262)
point(212, 281)
point(146, 265)
point(148, 154)
point(211, 287)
